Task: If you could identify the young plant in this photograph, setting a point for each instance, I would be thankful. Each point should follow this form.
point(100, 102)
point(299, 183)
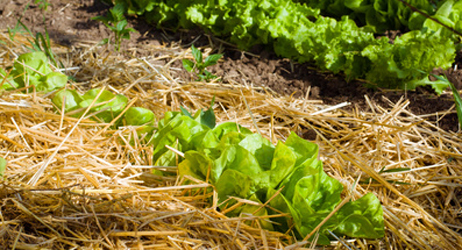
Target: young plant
point(116, 22)
point(42, 4)
point(199, 65)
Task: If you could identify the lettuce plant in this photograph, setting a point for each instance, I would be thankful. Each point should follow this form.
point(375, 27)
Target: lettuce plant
point(242, 164)
point(32, 69)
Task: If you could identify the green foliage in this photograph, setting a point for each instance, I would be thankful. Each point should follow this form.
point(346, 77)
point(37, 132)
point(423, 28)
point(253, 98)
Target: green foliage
point(376, 15)
point(105, 109)
point(199, 65)
point(242, 164)
point(204, 117)
point(298, 32)
point(42, 4)
point(234, 160)
point(137, 116)
point(409, 59)
point(458, 101)
point(141, 117)
point(117, 23)
point(457, 97)
point(108, 106)
point(450, 14)
point(32, 69)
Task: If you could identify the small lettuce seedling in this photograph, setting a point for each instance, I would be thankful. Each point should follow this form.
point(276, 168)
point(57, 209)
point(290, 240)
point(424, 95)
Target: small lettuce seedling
point(116, 22)
point(199, 65)
point(32, 69)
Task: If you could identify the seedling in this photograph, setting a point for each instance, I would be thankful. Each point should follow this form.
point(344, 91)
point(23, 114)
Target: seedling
point(199, 65)
point(116, 22)
point(42, 4)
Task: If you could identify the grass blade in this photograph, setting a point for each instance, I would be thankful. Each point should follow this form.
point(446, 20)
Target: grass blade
point(457, 98)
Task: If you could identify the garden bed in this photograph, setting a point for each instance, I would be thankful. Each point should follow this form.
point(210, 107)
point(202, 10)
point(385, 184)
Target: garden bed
point(73, 182)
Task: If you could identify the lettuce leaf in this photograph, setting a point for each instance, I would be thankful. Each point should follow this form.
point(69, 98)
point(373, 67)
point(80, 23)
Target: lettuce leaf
point(362, 218)
point(108, 106)
point(33, 69)
point(70, 97)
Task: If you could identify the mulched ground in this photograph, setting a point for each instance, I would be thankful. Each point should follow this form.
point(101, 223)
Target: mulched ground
point(68, 23)
point(421, 206)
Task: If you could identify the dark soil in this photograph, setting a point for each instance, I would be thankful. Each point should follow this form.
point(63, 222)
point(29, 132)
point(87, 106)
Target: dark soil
point(68, 22)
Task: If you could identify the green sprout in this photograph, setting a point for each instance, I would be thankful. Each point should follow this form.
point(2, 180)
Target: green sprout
point(42, 4)
point(116, 22)
point(200, 64)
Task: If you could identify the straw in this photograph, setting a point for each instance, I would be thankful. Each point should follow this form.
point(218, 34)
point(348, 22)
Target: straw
point(76, 183)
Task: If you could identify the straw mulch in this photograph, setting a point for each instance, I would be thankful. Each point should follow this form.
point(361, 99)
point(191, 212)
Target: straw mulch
point(74, 183)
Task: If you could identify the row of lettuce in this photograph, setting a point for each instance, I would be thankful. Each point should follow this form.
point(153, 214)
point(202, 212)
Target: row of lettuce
point(380, 15)
point(32, 72)
point(297, 30)
point(238, 163)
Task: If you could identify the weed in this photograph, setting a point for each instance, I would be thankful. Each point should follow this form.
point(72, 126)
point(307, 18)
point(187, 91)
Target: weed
point(116, 22)
point(458, 101)
point(199, 65)
point(456, 94)
point(42, 4)
point(41, 42)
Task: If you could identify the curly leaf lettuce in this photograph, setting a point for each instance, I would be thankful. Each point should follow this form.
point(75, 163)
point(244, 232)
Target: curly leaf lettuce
point(299, 32)
point(401, 65)
point(450, 14)
point(376, 15)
